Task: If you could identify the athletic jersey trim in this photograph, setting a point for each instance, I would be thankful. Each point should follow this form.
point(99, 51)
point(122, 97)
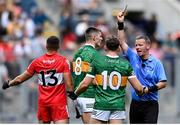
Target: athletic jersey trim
point(112, 56)
point(131, 77)
point(88, 75)
point(88, 44)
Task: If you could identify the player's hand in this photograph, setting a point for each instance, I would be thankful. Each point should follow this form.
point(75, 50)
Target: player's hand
point(5, 85)
point(72, 95)
point(120, 16)
point(146, 90)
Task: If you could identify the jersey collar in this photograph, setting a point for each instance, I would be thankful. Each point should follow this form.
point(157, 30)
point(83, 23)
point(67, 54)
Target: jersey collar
point(112, 56)
point(50, 54)
point(150, 58)
point(88, 44)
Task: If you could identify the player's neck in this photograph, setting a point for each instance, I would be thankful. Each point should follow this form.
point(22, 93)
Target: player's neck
point(90, 43)
point(112, 53)
point(50, 52)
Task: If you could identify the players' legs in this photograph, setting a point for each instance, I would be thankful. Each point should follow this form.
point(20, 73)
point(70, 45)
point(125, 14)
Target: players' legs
point(116, 117)
point(115, 121)
point(96, 121)
point(99, 116)
point(86, 117)
point(43, 114)
point(44, 122)
point(63, 121)
point(59, 114)
point(85, 107)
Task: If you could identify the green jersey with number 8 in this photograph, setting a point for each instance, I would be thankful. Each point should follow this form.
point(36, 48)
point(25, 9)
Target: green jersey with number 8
point(111, 75)
point(80, 66)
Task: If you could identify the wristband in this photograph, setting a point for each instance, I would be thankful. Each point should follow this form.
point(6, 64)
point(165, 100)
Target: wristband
point(120, 25)
point(153, 88)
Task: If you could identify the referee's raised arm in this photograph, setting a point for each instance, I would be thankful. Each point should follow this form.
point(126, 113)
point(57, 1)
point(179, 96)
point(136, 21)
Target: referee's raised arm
point(121, 34)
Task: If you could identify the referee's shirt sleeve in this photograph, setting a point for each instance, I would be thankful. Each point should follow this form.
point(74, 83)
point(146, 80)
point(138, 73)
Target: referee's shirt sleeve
point(160, 72)
point(130, 54)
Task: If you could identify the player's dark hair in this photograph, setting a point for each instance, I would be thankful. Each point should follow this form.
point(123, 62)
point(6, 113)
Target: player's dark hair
point(52, 43)
point(112, 43)
point(90, 32)
point(146, 38)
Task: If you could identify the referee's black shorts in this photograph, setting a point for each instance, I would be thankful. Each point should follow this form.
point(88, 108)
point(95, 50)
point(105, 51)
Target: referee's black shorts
point(144, 112)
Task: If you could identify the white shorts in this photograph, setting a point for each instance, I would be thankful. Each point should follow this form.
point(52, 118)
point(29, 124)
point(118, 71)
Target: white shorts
point(107, 115)
point(84, 104)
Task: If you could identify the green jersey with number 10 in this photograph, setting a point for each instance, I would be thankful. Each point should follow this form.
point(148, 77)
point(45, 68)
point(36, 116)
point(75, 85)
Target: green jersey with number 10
point(111, 75)
point(80, 66)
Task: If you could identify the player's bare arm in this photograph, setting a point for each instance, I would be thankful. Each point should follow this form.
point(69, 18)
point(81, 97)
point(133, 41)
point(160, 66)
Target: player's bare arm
point(136, 84)
point(121, 34)
point(83, 85)
point(18, 80)
point(68, 81)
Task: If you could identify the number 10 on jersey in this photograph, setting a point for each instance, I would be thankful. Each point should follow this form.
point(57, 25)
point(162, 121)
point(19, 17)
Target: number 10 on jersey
point(111, 79)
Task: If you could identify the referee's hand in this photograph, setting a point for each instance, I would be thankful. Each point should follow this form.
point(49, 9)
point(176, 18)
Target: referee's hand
point(120, 16)
point(5, 85)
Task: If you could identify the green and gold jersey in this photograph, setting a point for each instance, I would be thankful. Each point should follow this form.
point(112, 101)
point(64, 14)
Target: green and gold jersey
point(80, 66)
point(111, 75)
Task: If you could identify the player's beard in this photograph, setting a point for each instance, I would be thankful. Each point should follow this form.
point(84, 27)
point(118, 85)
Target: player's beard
point(98, 46)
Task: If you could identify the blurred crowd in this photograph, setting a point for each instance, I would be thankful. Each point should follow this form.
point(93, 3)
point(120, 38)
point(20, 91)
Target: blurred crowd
point(22, 35)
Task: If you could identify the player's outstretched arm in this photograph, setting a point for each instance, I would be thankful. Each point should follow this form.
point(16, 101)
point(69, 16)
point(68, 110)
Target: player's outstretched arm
point(136, 85)
point(18, 80)
point(121, 34)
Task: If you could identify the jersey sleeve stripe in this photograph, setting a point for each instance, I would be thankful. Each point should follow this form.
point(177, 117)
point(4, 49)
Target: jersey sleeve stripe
point(84, 66)
point(88, 75)
point(131, 77)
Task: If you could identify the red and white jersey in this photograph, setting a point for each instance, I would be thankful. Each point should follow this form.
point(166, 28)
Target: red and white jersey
point(50, 69)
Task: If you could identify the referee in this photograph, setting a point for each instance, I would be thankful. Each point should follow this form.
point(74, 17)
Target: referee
point(149, 71)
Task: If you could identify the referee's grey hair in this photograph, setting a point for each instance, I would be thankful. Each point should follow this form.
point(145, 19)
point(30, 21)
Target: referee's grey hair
point(146, 38)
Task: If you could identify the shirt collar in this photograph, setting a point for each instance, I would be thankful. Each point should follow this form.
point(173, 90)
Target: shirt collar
point(52, 53)
point(88, 44)
point(112, 56)
point(150, 59)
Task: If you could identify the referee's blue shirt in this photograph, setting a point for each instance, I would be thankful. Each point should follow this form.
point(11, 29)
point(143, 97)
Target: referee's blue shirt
point(149, 73)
